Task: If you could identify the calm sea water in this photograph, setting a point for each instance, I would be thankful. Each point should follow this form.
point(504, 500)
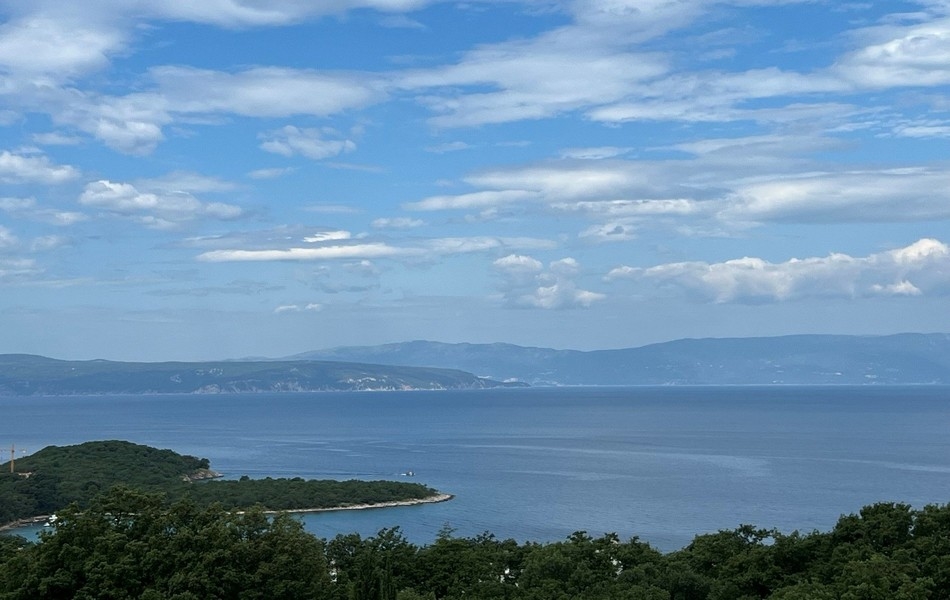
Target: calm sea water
point(538, 464)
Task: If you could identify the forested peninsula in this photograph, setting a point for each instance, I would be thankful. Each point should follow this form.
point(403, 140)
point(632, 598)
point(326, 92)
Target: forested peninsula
point(57, 476)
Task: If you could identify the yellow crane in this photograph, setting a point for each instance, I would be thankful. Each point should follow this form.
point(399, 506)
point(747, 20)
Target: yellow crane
point(13, 457)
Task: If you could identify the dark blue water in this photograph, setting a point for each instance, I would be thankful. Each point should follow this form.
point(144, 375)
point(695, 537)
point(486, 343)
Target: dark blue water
point(538, 464)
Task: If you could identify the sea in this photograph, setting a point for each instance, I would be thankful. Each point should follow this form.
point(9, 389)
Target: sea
point(662, 464)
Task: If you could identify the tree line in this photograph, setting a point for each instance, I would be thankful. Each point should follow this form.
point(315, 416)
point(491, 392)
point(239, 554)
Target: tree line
point(131, 544)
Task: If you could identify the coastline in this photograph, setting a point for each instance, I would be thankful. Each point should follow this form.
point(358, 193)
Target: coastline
point(392, 504)
point(12, 526)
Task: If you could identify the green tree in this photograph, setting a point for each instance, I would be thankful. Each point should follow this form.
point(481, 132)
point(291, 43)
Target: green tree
point(129, 544)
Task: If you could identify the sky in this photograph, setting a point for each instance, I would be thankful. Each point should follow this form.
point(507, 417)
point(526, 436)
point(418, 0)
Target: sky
point(186, 180)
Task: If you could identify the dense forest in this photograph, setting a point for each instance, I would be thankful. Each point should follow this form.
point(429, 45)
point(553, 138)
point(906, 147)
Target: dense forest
point(132, 544)
point(56, 476)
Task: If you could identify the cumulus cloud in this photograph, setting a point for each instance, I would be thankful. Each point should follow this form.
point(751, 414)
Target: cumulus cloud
point(157, 210)
point(312, 143)
point(527, 284)
point(920, 268)
point(131, 124)
point(19, 168)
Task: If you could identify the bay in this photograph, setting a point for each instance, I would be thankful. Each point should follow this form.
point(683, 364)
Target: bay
point(660, 463)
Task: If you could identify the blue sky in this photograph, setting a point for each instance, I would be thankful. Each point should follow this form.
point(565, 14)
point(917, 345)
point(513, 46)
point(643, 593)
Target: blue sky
point(187, 180)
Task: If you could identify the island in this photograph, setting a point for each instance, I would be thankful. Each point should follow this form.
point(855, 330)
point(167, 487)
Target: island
point(47, 481)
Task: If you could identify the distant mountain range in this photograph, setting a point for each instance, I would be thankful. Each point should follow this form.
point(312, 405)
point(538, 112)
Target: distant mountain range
point(795, 359)
point(420, 365)
point(25, 375)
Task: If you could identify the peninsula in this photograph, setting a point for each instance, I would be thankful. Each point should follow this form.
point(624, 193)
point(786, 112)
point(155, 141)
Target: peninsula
point(58, 476)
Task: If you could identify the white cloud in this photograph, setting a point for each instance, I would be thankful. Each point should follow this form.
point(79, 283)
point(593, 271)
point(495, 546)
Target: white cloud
point(264, 91)
point(396, 223)
point(329, 235)
point(54, 138)
point(527, 284)
point(920, 268)
point(612, 231)
point(237, 13)
point(566, 180)
point(134, 123)
point(633, 208)
point(13, 269)
point(923, 129)
point(898, 56)
point(465, 245)
point(285, 244)
point(7, 238)
point(271, 173)
point(157, 210)
point(371, 250)
point(312, 143)
point(597, 153)
point(28, 208)
point(131, 124)
point(16, 168)
point(401, 22)
point(483, 199)
point(448, 147)
point(185, 181)
point(906, 194)
point(48, 242)
point(296, 308)
point(40, 44)
point(560, 71)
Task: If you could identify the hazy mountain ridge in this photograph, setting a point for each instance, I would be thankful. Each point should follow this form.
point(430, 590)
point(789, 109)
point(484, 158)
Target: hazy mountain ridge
point(796, 359)
point(24, 375)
